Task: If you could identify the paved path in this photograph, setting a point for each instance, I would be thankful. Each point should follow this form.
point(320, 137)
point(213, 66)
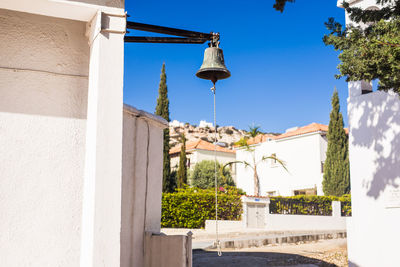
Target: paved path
point(329, 253)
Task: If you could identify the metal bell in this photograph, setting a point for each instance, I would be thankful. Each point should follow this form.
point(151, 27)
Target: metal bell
point(213, 67)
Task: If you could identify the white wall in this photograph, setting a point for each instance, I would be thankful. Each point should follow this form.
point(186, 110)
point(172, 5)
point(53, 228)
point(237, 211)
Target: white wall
point(287, 222)
point(222, 157)
point(302, 156)
point(223, 226)
point(141, 182)
point(374, 147)
point(43, 126)
point(43, 88)
point(283, 222)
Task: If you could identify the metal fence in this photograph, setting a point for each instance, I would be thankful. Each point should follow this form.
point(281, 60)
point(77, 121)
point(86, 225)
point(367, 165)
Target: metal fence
point(300, 207)
point(345, 208)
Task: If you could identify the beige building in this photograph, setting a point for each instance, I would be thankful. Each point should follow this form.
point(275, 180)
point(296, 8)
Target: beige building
point(199, 150)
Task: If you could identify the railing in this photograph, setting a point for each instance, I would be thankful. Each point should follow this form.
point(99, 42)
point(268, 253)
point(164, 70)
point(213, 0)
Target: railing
point(345, 208)
point(299, 207)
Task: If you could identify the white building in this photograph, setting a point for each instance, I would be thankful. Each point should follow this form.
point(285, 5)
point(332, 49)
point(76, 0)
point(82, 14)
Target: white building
point(176, 123)
point(204, 124)
point(374, 145)
point(80, 173)
point(302, 149)
point(199, 150)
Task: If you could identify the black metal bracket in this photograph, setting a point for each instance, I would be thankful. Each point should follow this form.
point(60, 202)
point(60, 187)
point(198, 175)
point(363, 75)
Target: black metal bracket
point(186, 37)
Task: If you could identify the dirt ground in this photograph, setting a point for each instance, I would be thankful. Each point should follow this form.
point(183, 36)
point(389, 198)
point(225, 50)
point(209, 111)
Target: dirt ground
point(329, 253)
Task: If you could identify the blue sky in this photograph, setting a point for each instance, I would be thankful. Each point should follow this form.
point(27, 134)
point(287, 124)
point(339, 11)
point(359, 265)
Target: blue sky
point(282, 73)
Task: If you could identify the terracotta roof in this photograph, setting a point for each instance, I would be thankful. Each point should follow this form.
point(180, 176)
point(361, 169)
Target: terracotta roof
point(199, 144)
point(311, 128)
point(260, 139)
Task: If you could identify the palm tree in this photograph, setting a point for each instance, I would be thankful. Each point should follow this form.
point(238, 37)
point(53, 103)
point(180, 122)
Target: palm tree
point(254, 131)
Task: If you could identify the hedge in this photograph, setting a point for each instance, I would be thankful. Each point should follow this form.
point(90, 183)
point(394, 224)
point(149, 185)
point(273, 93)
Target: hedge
point(191, 207)
point(309, 205)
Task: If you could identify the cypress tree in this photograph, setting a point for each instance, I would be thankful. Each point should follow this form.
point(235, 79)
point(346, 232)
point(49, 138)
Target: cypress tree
point(162, 109)
point(182, 169)
point(336, 181)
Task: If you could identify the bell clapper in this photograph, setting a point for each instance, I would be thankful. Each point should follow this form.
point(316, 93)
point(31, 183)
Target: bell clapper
point(213, 88)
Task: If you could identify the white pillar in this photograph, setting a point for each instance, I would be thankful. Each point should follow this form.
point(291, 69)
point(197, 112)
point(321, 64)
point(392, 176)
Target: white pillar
point(336, 209)
point(101, 212)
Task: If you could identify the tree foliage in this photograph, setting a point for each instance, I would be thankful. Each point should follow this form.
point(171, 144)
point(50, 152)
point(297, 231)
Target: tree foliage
point(280, 4)
point(336, 181)
point(162, 109)
point(370, 51)
point(203, 175)
point(182, 168)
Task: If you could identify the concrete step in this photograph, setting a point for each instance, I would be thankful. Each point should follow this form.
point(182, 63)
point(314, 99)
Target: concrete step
point(263, 239)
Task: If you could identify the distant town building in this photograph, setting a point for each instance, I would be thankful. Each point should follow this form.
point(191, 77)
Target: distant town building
point(204, 124)
point(199, 150)
point(176, 123)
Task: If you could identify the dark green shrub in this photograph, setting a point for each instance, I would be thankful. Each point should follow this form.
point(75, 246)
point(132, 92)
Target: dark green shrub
point(191, 207)
point(345, 201)
point(309, 205)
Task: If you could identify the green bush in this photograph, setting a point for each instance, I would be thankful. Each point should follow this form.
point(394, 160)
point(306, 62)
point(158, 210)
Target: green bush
point(191, 207)
point(309, 205)
point(345, 204)
point(203, 175)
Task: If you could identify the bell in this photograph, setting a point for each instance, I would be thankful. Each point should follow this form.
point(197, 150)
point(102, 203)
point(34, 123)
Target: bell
point(213, 67)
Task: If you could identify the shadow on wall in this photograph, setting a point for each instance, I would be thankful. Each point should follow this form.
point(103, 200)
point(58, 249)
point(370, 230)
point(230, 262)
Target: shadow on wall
point(351, 264)
point(235, 259)
point(378, 129)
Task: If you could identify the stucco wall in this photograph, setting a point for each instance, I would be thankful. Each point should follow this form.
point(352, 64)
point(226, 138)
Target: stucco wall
point(374, 149)
point(302, 156)
point(282, 222)
point(43, 88)
point(374, 145)
point(222, 157)
point(141, 183)
point(223, 226)
point(285, 222)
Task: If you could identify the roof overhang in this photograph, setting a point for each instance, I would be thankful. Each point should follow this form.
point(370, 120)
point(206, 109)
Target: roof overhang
point(340, 2)
point(65, 9)
point(154, 119)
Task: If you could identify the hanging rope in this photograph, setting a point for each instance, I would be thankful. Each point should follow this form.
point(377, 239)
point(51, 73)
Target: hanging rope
point(217, 242)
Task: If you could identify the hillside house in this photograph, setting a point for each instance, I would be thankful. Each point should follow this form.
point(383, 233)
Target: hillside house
point(199, 150)
point(302, 149)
